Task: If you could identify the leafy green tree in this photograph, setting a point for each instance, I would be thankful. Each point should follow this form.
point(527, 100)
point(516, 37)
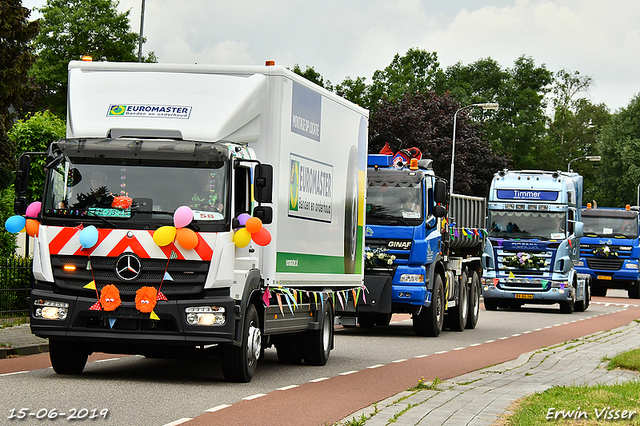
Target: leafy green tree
point(356, 91)
point(425, 121)
point(618, 174)
point(70, 29)
point(312, 75)
point(15, 59)
point(34, 134)
point(7, 240)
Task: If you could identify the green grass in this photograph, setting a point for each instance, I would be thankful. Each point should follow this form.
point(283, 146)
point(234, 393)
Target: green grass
point(583, 405)
point(13, 321)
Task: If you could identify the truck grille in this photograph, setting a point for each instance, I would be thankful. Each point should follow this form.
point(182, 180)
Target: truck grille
point(524, 279)
point(188, 276)
point(382, 244)
point(605, 264)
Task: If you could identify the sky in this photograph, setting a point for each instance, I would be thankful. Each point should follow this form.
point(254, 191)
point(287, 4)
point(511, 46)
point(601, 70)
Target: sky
point(354, 38)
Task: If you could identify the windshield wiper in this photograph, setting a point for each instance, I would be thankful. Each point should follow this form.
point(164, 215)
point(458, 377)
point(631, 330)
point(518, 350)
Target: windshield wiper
point(108, 222)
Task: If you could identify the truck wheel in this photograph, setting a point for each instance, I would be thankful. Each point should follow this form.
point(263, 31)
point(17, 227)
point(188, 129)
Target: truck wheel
point(567, 307)
point(582, 305)
point(289, 350)
point(430, 320)
point(239, 363)
point(599, 291)
point(351, 213)
point(67, 357)
point(367, 320)
point(456, 317)
point(319, 342)
point(634, 290)
point(491, 304)
point(474, 301)
point(383, 320)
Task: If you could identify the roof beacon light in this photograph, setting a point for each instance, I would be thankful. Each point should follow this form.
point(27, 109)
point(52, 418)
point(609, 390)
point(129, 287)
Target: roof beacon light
point(413, 164)
point(270, 63)
point(87, 58)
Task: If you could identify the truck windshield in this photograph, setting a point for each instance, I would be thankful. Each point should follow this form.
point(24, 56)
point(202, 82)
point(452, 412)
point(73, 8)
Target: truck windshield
point(400, 201)
point(524, 224)
point(621, 227)
point(119, 192)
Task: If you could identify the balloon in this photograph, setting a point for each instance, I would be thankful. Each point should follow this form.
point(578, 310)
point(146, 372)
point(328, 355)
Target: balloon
point(242, 237)
point(33, 226)
point(262, 237)
point(88, 237)
point(187, 238)
point(15, 224)
point(182, 216)
point(253, 225)
point(34, 209)
point(164, 235)
point(242, 219)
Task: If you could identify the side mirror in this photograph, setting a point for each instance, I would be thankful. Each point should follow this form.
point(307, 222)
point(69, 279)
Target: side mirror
point(440, 191)
point(22, 174)
point(439, 211)
point(263, 183)
point(264, 213)
point(579, 229)
point(20, 205)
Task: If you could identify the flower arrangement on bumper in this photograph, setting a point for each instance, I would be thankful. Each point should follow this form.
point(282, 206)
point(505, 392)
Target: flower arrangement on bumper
point(604, 251)
point(377, 257)
point(524, 261)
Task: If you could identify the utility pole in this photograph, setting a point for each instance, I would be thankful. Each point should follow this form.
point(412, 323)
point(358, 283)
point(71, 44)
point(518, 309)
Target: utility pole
point(141, 28)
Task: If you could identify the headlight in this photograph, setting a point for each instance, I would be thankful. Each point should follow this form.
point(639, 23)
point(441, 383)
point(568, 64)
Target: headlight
point(411, 278)
point(50, 309)
point(630, 265)
point(205, 315)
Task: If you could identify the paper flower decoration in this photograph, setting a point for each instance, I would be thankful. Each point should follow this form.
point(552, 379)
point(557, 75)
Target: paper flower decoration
point(524, 261)
point(121, 202)
point(604, 251)
point(110, 297)
point(146, 299)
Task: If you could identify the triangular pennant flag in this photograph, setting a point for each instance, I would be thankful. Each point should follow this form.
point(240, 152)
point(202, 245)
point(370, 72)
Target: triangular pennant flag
point(500, 240)
point(167, 276)
point(153, 316)
point(470, 233)
point(111, 322)
point(364, 299)
point(280, 303)
point(340, 299)
point(496, 281)
point(511, 275)
point(455, 231)
point(545, 284)
point(287, 298)
point(96, 307)
point(315, 296)
point(355, 301)
point(355, 297)
point(464, 232)
point(266, 296)
point(161, 296)
point(173, 255)
point(91, 285)
point(570, 245)
point(88, 268)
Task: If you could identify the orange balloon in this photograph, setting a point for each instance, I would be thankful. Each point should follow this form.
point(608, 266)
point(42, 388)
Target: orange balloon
point(262, 237)
point(187, 238)
point(253, 225)
point(32, 226)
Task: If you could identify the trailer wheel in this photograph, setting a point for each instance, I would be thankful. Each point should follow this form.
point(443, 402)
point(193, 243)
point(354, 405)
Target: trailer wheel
point(491, 304)
point(239, 363)
point(366, 320)
point(319, 342)
point(474, 301)
point(456, 318)
point(351, 213)
point(67, 357)
point(288, 350)
point(430, 320)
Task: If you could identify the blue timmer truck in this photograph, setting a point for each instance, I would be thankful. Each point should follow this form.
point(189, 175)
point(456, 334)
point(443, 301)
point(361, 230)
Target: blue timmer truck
point(422, 250)
point(534, 241)
point(610, 249)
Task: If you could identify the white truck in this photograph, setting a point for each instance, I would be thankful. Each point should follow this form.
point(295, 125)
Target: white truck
point(148, 241)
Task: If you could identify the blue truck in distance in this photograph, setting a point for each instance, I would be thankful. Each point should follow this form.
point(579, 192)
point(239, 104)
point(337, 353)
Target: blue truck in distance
point(610, 249)
point(534, 237)
point(422, 250)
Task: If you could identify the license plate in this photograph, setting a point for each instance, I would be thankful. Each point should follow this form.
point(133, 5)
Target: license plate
point(523, 296)
point(604, 277)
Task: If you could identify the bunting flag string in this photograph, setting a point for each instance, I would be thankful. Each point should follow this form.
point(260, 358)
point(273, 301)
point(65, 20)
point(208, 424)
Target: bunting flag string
point(294, 297)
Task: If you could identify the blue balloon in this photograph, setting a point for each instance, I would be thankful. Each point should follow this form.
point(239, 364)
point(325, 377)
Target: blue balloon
point(88, 237)
point(15, 224)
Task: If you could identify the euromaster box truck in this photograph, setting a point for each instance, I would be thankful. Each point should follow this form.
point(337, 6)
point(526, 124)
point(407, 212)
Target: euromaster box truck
point(196, 208)
point(534, 240)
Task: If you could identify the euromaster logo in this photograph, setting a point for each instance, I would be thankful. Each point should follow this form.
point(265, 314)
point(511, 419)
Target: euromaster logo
point(293, 185)
point(146, 110)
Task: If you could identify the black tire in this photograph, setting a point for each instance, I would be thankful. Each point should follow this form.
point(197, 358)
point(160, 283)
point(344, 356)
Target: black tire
point(634, 290)
point(67, 357)
point(456, 318)
point(239, 363)
point(351, 213)
point(474, 301)
point(383, 320)
point(491, 304)
point(599, 291)
point(289, 350)
point(582, 305)
point(366, 320)
point(567, 307)
point(430, 320)
point(318, 343)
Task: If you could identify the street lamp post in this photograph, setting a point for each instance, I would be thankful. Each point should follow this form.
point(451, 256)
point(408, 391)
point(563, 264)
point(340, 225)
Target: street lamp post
point(586, 157)
point(141, 28)
point(485, 106)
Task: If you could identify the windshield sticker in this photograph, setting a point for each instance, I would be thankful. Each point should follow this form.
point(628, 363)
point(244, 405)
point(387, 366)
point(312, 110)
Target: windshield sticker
point(200, 215)
point(146, 110)
point(109, 212)
point(557, 236)
point(410, 215)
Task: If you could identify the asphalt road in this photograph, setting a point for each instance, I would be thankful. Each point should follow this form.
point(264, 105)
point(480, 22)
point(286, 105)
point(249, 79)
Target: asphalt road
point(366, 366)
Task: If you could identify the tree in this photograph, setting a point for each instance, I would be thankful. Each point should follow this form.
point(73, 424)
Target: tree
point(356, 91)
point(71, 29)
point(35, 134)
point(618, 173)
point(425, 121)
point(312, 75)
point(15, 35)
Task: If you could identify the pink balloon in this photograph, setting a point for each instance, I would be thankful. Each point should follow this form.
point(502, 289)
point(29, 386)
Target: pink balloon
point(182, 216)
point(243, 218)
point(34, 209)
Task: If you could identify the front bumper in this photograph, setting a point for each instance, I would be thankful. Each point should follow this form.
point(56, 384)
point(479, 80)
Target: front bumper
point(552, 295)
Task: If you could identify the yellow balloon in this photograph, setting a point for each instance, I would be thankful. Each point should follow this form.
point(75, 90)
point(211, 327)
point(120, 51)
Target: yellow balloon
point(242, 237)
point(164, 235)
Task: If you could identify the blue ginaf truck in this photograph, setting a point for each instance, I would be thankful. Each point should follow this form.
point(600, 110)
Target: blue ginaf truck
point(610, 249)
point(534, 238)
